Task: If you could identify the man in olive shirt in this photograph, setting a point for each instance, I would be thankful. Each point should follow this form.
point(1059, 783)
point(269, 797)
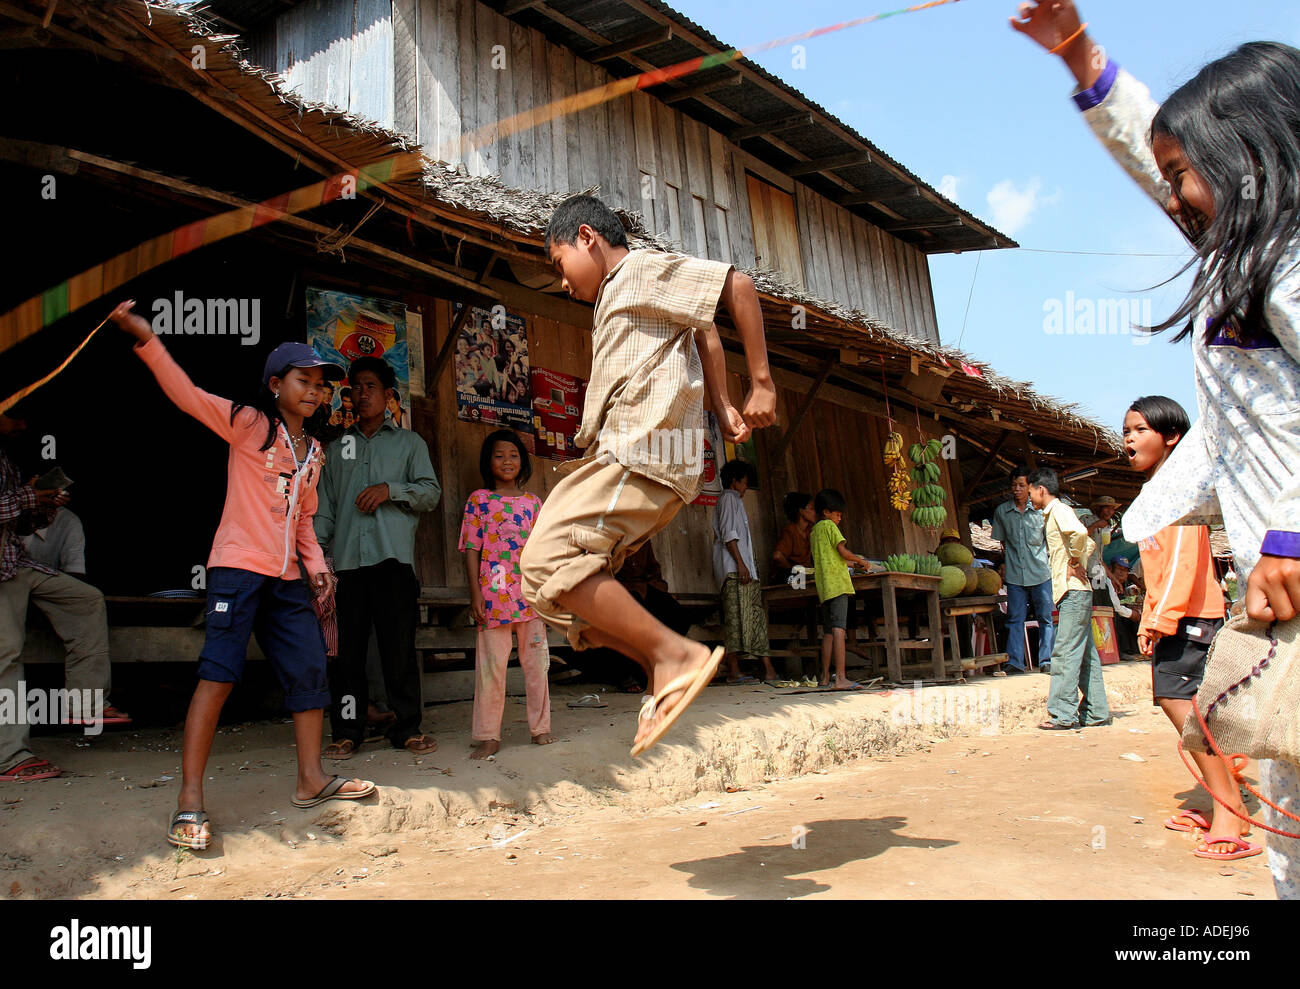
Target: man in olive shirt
point(377, 480)
point(1018, 525)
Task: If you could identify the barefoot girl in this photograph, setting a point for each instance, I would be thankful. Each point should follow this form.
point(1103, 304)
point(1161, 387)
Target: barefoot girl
point(498, 518)
point(1222, 156)
point(253, 570)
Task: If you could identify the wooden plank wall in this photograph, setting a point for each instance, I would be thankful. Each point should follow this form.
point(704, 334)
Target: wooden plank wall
point(437, 57)
point(340, 53)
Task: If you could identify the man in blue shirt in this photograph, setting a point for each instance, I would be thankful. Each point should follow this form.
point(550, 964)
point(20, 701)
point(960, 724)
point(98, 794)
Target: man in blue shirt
point(1018, 525)
point(377, 480)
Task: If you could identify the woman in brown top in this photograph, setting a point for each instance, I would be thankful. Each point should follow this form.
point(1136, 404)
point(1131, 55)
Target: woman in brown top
point(793, 548)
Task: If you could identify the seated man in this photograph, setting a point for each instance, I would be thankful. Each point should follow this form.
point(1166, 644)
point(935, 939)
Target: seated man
point(793, 547)
point(61, 545)
point(1126, 618)
point(76, 611)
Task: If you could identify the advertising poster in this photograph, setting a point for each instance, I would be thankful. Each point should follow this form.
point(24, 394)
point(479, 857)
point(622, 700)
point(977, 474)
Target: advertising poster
point(557, 413)
point(492, 376)
point(343, 327)
point(713, 453)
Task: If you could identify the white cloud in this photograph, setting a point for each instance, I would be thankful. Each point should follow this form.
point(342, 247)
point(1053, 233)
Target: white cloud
point(1013, 208)
point(948, 187)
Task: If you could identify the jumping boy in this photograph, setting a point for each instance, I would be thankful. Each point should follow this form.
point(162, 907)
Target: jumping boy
point(644, 400)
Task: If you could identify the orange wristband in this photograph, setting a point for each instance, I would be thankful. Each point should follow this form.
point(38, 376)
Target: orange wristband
point(1082, 27)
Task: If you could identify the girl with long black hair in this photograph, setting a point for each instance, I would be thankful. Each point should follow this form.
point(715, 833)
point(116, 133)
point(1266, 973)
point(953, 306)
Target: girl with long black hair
point(1222, 156)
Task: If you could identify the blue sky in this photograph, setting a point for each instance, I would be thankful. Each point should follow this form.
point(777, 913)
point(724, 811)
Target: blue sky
point(983, 114)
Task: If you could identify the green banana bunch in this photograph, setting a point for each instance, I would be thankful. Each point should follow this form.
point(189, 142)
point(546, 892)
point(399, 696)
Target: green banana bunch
point(901, 563)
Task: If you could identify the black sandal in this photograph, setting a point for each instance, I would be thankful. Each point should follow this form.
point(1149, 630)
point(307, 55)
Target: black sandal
point(198, 818)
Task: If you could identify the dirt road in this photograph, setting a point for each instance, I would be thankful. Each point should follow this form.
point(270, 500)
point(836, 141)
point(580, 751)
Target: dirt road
point(1021, 813)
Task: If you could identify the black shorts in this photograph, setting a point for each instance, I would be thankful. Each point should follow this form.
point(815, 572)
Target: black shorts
point(835, 613)
point(1179, 661)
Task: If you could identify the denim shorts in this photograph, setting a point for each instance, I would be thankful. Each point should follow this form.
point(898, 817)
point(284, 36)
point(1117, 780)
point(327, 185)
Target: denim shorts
point(835, 612)
point(280, 613)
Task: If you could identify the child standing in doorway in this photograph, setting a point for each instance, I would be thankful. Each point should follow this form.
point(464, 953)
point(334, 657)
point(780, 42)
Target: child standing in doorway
point(498, 520)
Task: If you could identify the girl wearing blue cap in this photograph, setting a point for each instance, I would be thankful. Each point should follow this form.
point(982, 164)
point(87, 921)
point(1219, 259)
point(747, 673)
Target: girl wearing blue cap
point(254, 581)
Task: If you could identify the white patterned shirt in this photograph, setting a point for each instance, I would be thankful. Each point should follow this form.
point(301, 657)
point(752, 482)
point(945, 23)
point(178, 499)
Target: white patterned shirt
point(1240, 461)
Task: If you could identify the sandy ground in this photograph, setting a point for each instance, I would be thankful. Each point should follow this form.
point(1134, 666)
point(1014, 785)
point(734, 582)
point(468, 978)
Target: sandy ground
point(947, 793)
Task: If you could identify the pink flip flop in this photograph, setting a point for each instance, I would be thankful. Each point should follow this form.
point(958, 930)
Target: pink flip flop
point(1188, 820)
point(1244, 849)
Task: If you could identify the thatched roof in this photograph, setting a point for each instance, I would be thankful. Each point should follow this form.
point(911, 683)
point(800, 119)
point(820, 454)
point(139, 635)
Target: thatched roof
point(511, 221)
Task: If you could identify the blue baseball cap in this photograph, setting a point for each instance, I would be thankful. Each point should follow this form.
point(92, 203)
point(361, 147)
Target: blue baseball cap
point(299, 355)
point(1121, 561)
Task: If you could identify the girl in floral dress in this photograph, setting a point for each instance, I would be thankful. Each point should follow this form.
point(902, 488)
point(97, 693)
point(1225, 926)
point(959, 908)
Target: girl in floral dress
point(498, 518)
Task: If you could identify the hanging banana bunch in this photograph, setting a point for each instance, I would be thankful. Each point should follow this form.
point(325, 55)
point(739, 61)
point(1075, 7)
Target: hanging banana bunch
point(900, 497)
point(929, 495)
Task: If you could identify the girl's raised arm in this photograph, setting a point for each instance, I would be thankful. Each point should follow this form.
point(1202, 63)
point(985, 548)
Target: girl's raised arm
point(211, 410)
point(1116, 107)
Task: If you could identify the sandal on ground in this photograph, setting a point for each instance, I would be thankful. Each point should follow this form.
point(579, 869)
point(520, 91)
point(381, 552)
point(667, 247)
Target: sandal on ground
point(197, 818)
point(741, 680)
point(31, 770)
point(588, 700)
point(109, 716)
point(420, 745)
point(340, 750)
point(1188, 820)
point(1244, 849)
point(1053, 726)
point(334, 791)
point(689, 685)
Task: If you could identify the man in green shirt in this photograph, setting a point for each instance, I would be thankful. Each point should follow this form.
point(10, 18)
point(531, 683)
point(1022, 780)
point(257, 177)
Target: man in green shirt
point(377, 480)
point(831, 558)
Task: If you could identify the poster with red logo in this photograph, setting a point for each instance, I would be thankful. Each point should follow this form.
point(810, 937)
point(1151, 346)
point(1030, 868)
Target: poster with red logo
point(343, 327)
point(557, 413)
point(711, 462)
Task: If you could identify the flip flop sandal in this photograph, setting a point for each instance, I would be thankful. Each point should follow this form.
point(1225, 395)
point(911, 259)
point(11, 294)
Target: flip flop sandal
point(1188, 820)
point(1244, 849)
point(420, 745)
point(196, 817)
point(342, 750)
point(39, 769)
point(1053, 726)
point(739, 681)
point(588, 700)
point(690, 685)
point(332, 791)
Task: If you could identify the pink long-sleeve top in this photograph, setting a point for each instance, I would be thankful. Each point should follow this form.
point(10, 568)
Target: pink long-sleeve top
point(266, 524)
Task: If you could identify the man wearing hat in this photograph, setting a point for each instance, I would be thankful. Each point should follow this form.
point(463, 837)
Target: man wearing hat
point(1126, 618)
point(1098, 524)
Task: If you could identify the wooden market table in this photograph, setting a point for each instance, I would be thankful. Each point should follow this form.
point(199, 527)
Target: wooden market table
point(886, 584)
point(978, 608)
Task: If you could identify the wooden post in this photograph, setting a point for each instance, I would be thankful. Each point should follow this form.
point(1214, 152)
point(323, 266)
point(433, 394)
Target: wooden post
point(893, 653)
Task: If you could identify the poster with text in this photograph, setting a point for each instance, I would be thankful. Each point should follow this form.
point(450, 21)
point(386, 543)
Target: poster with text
point(557, 413)
point(344, 327)
point(492, 377)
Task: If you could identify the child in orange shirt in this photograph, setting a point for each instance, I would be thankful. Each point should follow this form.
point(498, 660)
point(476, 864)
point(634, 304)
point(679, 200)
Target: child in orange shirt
point(1184, 609)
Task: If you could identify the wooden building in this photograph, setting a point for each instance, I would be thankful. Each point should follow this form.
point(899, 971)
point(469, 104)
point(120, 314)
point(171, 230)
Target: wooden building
point(736, 164)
